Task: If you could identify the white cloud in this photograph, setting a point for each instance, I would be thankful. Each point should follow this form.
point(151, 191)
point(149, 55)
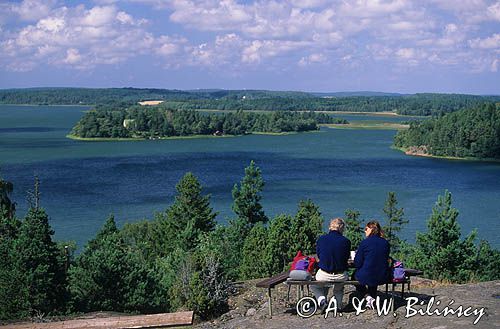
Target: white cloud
point(494, 12)
point(209, 15)
point(406, 53)
point(316, 58)
point(492, 42)
point(98, 16)
point(261, 49)
point(76, 35)
point(32, 10)
point(232, 33)
point(72, 56)
point(494, 65)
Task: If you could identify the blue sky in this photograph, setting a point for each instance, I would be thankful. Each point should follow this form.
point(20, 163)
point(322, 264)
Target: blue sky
point(311, 45)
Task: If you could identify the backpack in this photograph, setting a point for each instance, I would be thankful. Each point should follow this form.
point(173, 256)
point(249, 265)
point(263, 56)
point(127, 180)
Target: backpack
point(303, 263)
point(398, 272)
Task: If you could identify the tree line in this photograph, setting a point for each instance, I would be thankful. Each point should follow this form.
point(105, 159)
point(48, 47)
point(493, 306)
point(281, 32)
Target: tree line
point(183, 259)
point(467, 133)
point(417, 104)
point(98, 96)
point(157, 122)
point(424, 104)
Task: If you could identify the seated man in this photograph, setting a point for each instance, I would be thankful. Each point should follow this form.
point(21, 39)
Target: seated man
point(333, 250)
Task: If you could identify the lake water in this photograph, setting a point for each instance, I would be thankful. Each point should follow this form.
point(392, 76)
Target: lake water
point(83, 182)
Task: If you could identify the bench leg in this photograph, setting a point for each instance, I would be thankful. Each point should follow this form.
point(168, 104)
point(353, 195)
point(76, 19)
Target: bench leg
point(392, 298)
point(270, 300)
point(288, 292)
point(402, 290)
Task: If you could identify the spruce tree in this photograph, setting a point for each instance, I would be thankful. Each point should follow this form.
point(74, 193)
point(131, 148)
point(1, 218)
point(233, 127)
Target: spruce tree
point(395, 221)
point(307, 226)
point(6, 205)
point(278, 244)
point(189, 217)
point(247, 196)
point(14, 303)
point(353, 230)
point(488, 262)
point(253, 262)
point(439, 252)
point(111, 275)
point(38, 258)
point(96, 278)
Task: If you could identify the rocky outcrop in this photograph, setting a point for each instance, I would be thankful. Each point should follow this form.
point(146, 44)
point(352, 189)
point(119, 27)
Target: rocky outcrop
point(473, 301)
point(421, 150)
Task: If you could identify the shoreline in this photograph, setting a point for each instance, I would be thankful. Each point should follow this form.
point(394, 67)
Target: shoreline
point(443, 157)
point(51, 105)
point(121, 139)
point(366, 125)
point(381, 113)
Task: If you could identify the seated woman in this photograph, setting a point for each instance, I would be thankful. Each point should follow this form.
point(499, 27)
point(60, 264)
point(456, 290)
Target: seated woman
point(371, 262)
point(333, 251)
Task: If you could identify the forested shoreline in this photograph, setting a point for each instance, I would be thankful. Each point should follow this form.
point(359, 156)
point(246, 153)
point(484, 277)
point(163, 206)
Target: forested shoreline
point(471, 133)
point(182, 259)
point(249, 100)
point(160, 122)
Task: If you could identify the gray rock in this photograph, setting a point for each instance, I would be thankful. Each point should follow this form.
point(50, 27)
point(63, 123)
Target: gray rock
point(251, 312)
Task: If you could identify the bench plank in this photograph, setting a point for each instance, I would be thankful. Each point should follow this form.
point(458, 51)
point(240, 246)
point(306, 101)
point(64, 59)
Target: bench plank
point(118, 322)
point(273, 281)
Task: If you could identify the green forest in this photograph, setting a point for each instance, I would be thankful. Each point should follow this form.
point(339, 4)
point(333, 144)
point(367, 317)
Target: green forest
point(234, 100)
point(182, 259)
point(471, 133)
point(157, 122)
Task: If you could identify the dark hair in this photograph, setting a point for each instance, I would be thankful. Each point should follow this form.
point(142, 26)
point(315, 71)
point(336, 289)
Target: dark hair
point(376, 229)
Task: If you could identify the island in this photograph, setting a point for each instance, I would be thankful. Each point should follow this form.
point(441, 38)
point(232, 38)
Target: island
point(465, 134)
point(158, 122)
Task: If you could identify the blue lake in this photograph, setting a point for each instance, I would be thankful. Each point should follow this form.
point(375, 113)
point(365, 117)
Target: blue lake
point(83, 182)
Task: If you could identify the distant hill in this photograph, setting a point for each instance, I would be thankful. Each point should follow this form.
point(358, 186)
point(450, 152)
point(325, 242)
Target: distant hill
point(249, 100)
point(355, 93)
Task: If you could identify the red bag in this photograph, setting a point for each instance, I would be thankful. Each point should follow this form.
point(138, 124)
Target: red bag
point(304, 263)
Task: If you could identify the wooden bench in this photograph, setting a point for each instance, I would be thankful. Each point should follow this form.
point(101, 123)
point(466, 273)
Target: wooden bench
point(116, 322)
point(271, 282)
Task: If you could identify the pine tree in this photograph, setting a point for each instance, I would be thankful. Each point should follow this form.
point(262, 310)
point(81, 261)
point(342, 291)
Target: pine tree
point(109, 275)
point(307, 226)
point(353, 230)
point(247, 196)
point(38, 258)
point(439, 252)
point(189, 217)
point(395, 221)
point(14, 302)
point(6, 204)
point(278, 245)
point(233, 239)
point(253, 262)
point(488, 261)
point(96, 277)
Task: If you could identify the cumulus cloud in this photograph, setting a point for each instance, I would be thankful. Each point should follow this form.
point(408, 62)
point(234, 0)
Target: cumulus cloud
point(492, 42)
point(32, 10)
point(317, 58)
point(232, 33)
point(76, 35)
